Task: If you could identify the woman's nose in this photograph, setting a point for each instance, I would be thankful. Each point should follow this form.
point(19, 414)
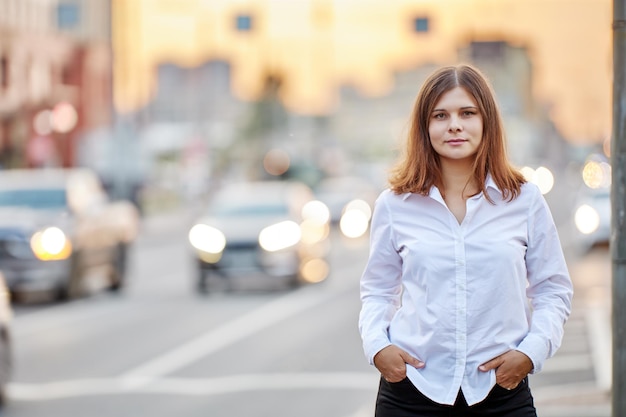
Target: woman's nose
point(455, 124)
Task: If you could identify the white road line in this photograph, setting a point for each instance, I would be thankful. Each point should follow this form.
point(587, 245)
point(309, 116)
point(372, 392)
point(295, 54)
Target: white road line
point(206, 386)
point(228, 333)
point(365, 381)
point(599, 331)
point(365, 411)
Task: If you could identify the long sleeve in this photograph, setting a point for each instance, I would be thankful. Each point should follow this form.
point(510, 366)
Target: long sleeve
point(550, 288)
point(380, 283)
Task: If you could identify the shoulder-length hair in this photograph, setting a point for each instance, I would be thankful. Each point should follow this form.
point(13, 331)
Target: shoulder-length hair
point(419, 167)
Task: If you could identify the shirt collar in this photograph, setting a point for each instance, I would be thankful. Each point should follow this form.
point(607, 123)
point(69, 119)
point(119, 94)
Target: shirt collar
point(489, 183)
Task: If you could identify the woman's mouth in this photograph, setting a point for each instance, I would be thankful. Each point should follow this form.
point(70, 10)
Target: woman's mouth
point(456, 141)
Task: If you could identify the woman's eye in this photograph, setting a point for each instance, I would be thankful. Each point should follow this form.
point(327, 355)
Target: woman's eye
point(439, 116)
point(469, 113)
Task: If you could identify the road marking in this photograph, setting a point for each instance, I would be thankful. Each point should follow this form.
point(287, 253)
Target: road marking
point(367, 381)
point(600, 336)
point(365, 411)
point(229, 333)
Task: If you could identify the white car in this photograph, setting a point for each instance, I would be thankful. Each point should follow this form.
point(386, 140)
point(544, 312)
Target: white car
point(6, 316)
point(267, 229)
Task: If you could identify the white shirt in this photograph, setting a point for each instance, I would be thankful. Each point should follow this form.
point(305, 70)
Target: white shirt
point(457, 295)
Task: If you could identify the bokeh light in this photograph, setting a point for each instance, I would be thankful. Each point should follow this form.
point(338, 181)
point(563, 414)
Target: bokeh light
point(542, 177)
point(317, 211)
point(596, 173)
point(314, 270)
point(587, 219)
point(276, 162)
point(42, 123)
point(64, 117)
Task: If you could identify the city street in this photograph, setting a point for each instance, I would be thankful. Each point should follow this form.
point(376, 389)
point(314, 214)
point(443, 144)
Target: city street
point(121, 122)
point(160, 349)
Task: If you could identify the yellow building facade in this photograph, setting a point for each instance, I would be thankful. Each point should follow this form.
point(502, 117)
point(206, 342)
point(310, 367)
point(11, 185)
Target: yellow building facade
point(314, 46)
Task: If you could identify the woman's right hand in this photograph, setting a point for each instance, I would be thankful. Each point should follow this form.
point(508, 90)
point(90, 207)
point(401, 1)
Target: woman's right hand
point(391, 361)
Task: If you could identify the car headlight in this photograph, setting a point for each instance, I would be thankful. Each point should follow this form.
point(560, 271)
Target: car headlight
point(207, 239)
point(51, 244)
point(280, 236)
point(355, 219)
point(313, 232)
point(587, 219)
point(316, 211)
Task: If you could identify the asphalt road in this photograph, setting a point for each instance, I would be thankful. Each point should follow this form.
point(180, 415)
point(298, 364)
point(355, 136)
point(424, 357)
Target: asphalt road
point(160, 349)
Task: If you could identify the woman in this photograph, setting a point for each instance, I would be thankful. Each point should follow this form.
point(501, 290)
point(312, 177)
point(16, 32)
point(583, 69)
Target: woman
point(466, 290)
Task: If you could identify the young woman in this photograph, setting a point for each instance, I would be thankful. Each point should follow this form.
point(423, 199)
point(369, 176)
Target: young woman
point(466, 290)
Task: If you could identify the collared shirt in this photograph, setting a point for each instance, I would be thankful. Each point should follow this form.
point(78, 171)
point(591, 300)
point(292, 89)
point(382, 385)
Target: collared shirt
point(457, 295)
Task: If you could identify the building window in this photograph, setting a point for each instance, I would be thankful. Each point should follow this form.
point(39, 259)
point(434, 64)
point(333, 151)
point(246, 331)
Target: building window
point(493, 51)
point(4, 72)
point(68, 15)
point(421, 24)
point(243, 22)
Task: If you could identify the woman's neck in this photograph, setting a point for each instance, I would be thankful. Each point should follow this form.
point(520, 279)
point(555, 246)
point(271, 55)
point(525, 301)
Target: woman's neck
point(458, 179)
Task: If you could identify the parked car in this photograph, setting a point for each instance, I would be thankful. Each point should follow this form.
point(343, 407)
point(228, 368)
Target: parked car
point(58, 227)
point(6, 351)
point(267, 229)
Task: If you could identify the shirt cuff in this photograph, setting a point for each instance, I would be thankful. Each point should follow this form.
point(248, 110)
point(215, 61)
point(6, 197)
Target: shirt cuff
point(536, 349)
point(374, 348)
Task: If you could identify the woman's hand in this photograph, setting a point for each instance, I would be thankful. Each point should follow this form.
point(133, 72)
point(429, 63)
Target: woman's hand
point(511, 367)
point(391, 361)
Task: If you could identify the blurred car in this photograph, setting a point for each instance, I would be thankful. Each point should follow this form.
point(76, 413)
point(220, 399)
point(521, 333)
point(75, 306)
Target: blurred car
point(58, 226)
point(350, 201)
point(271, 229)
point(592, 216)
point(6, 356)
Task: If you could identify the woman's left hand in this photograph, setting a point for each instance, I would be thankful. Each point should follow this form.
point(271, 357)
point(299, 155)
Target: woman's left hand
point(511, 367)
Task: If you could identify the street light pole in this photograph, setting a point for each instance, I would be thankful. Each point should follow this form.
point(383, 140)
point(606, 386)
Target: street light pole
point(618, 208)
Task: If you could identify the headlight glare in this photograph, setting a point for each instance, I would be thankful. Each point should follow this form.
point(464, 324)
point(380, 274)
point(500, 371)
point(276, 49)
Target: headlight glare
point(316, 212)
point(280, 236)
point(51, 244)
point(587, 219)
point(207, 239)
point(355, 219)
point(313, 232)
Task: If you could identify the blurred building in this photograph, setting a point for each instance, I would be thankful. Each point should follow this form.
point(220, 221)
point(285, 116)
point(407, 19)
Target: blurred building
point(55, 78)
point(194, 109)
point(315, 46)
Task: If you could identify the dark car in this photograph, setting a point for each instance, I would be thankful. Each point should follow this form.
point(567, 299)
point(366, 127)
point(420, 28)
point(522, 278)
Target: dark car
point(272, 230)
point(58, 229)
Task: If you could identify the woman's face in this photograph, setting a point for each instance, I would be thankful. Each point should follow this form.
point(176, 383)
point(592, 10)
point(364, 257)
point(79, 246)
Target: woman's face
point(455, 126)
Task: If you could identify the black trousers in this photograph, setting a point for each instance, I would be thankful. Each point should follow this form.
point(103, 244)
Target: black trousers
point(402, 399)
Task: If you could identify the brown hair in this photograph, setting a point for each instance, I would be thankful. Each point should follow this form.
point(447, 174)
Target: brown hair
point(419, 167)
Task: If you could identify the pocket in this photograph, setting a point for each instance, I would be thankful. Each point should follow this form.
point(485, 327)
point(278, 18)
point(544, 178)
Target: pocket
point(402, 381)
point(522, 384)
point(403, 392)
